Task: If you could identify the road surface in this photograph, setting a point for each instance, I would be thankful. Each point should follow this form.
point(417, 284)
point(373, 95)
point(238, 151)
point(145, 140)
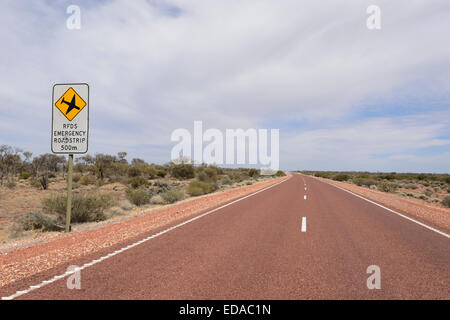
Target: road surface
point(301, 239)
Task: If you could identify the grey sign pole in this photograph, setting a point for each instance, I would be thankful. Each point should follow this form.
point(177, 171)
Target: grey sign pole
point(69, 193)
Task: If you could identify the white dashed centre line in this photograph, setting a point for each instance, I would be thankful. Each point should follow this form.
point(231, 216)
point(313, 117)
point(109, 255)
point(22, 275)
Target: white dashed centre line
point(304, 197)
point(304, 224)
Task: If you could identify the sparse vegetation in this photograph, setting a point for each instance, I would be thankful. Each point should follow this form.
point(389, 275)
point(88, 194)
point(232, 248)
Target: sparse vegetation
point(138, 197)
point(36, 220)
point(425, 186)
point(96, 179)
point(387, 187)
point(173, 196)
point(137, 182)
point(280, 173)
point(197, 188)
point(85, 208)
point(341, 177)
point(446, 202)
point(182, 170)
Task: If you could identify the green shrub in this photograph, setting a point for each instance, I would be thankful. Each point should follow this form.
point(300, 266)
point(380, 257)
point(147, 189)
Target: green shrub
point(173, 195)
point(134, 171)
point(138, 197)
point(280, 173)
point(253, 172)
point(182, 171)
point(161, 173)
point(364, 182)
point(197, 188)
point(446, 202)
point(85, 208)
point(36, 220)
point(25, 175)
point(226, 181)
point(162, 187)
point(410, 186)
point(387, 187)
point(341, 177)
point(322, 175)
point(136, 182)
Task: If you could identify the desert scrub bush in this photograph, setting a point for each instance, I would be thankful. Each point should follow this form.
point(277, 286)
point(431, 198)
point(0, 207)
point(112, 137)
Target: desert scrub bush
point(25, 175)
point(161, 187)
point(76, 177)
point(197, 188)
point(226, 180)
point(36, 220)
point(125, 205)
point(136, 182)
point(253, 172)
point(446, 202)
point(182, 171)
point(428, 192)
point(322, 175)
point(88, 179)
point(85, 208)
point(11, 185)
point(161, 173)
point(364, 182)
point(341, 177)
point(410, 186)
point(207, 174)
point(280, 173)
point(157, 199)
point(134, 171)
point(387, 187)
point(138, 197)
point(173, 196)
point(149, 171)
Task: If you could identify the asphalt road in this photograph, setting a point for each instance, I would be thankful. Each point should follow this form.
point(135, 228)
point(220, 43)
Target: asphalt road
point(273, 245)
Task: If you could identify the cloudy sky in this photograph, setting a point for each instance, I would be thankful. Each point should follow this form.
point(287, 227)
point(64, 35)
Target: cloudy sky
point(344, 97)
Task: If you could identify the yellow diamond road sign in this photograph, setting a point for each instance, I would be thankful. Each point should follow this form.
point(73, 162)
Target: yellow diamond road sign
point(70, 118)
point(70, 104)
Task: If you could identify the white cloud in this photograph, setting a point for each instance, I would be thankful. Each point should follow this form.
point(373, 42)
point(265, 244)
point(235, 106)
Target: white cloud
point(154, 66)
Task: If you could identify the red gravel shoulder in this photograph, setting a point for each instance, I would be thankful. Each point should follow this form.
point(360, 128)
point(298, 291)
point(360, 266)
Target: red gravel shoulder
point(20, 263)
point(426, 212)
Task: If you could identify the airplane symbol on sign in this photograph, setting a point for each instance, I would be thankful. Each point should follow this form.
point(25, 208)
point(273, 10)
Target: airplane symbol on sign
point(71, 104)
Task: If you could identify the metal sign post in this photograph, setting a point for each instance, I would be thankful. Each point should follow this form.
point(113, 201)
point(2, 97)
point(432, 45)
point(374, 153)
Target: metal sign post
point(69, 193)
point(70, 127)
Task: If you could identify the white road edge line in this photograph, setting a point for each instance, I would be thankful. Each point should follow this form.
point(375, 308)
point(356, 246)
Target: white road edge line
point(393, 211)
point(89, 264)
point(304, 224)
